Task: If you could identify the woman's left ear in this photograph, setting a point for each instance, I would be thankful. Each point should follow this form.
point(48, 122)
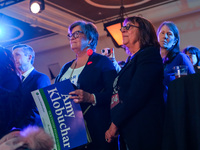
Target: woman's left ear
point(89, 50)
point(175, 41)
point(30, 57)
point(89, 42)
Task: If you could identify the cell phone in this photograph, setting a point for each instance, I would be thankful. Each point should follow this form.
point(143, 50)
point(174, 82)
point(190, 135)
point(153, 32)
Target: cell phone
point(106, 51)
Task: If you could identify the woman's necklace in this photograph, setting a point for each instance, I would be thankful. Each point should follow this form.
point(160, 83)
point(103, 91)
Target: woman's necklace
point(70, 77)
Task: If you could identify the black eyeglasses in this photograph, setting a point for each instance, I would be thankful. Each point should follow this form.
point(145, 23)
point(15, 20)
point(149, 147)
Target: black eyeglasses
point(75, 34)
point(127, 27)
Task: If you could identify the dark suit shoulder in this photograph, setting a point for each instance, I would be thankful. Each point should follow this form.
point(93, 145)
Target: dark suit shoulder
point(35, 72)
point(148, 53)
point(38, 79)
point(149, 50)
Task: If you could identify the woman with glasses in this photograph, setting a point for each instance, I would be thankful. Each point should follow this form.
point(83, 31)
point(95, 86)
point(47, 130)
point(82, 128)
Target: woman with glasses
point(169, 39)
point(137, 103)
point(93, 75)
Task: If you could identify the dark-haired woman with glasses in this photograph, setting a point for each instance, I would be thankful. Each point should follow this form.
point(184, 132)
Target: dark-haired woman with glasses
point(137, 105)
point(93, 75)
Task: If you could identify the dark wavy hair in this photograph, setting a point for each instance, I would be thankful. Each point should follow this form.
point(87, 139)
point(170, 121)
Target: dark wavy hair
point(193, 50)
point(90, 31)
point(146, 30)
point(7, 62)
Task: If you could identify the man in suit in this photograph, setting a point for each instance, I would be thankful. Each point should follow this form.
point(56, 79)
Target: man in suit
point(31, 80)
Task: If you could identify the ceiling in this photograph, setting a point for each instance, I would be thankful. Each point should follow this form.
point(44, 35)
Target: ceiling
point(21, 26)
point(101, 10)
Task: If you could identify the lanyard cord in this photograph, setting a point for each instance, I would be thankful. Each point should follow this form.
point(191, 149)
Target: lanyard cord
point(70, 77)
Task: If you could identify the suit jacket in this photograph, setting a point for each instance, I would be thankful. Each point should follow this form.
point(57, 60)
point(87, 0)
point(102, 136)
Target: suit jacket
point(97, 78)
point(29, 113)
point(139, 114)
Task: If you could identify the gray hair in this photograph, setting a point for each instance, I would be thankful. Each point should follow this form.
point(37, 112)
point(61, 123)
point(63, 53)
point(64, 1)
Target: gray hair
point(28, 50)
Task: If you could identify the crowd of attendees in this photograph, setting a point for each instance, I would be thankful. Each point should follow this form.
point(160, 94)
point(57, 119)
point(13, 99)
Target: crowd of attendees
point(123, 102)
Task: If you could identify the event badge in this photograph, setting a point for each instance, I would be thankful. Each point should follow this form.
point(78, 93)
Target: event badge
point(114, 100)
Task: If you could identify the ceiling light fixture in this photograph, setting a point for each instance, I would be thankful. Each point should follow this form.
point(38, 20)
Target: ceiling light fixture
point(113, 28)
point(37, 6)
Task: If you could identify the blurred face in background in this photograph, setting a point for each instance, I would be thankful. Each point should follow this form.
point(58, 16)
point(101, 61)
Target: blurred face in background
point(193, 58)
point(22, 61)
point(166, 38)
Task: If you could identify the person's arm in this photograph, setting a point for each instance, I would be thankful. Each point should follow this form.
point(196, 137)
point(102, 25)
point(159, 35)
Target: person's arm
point(104, 75)
point(111, 56)
point(116, 65)
point(108, 73)
point(111, 133)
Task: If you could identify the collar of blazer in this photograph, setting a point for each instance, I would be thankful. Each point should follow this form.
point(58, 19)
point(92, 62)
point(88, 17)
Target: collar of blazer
point(90, 59)
point(131, 60)
point(29, 77)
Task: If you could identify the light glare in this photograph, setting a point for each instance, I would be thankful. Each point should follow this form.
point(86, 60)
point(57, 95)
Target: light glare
point(115, 32)
point(35, 8)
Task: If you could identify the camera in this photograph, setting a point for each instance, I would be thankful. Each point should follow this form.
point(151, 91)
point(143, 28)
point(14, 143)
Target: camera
point(106, 51)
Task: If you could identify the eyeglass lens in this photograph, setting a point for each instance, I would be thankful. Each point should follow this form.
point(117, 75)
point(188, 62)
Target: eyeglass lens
point(75, 34)
point(127, 27)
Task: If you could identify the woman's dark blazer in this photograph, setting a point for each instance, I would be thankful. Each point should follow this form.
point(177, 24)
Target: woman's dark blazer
point(139, 115)
point(97, 77)
point(9, 98)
